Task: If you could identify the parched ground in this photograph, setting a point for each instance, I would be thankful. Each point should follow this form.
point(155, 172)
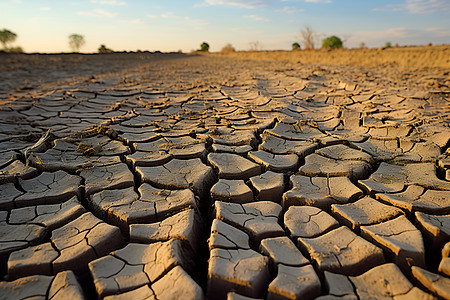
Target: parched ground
point(171, 176)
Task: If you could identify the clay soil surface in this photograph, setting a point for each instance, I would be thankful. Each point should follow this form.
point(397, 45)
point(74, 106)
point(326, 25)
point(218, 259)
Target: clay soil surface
point(269, 175)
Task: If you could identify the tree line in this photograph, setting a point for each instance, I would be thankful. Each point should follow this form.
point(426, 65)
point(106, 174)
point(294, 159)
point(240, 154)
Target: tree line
point(308, 38)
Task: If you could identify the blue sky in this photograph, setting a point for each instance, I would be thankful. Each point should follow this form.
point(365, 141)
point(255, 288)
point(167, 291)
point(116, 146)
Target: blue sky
point(172, 25)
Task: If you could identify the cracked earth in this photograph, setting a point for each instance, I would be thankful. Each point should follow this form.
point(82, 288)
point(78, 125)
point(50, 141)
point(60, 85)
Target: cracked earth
point(193, 177)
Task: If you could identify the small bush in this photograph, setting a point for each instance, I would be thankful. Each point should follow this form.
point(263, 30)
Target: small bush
point(388, 45)
point(228, 48)
point(296, 46)
point(16, 49)
point(204, 47)
point(255, 46)
point(332, 42)
point(104, 49)
point(308, 37)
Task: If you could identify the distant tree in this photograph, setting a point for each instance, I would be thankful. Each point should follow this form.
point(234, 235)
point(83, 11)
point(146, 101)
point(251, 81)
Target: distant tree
point(6, 37)
point(308, 36)
point(76, 41)
point(204, 47)
point(388, 45)
point(104, 49)
point(16, 49)
point(332, 42)
point(255, 46)
point(228, 48)
point(362, 45)
point(296, 46)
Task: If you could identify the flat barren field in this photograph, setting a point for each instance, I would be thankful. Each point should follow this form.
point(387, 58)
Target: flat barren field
point(241, 175)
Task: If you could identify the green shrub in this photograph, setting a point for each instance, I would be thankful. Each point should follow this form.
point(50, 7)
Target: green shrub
point(296, 46)
point(204, 47)
point(332, 42)
point(388, 45)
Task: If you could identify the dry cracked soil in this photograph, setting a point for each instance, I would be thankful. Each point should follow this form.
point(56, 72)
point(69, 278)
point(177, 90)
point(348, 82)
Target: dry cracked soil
point(151, 176)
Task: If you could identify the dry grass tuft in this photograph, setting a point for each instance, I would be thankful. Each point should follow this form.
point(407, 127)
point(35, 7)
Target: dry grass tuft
point(401, 58)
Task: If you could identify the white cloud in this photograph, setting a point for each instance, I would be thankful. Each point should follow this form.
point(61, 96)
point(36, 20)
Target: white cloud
point(169, 15)
point(166, 15)
point(247, 30)
point(138, 21)
point(291, 9)
point(390, 8)
point(427, 6)
point(257, 18)
point(45, 8)
point(439, 31)
point(418, 6)
point(109, 2)
point(98, 13)
point(318, 1)
point(239, 3)
point(197, 23)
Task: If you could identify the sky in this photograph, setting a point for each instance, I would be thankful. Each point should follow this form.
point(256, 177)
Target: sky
point(173, 25)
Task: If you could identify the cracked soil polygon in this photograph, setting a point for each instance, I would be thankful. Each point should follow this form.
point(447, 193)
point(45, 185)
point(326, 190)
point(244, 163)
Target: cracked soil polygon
point(342, 251)
point(244, 271)
point(48, 188)
point(82, 241)
point(233, 166)
point(275, 162)
point(417, 198)
point(391, 178)
point(116, 176)
point(227, 237)
point(318, 165)
point(179, 174)
point(308, 221)
point(435, 283)
point(231, 191)
point(402, 242)
point(282, 251)
point(277, 145)
point(365, 211)
point(183, 226)
point(269, 186)
point(136, 265)
point(258, 219)
point(295, 283)
point(320, 191)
